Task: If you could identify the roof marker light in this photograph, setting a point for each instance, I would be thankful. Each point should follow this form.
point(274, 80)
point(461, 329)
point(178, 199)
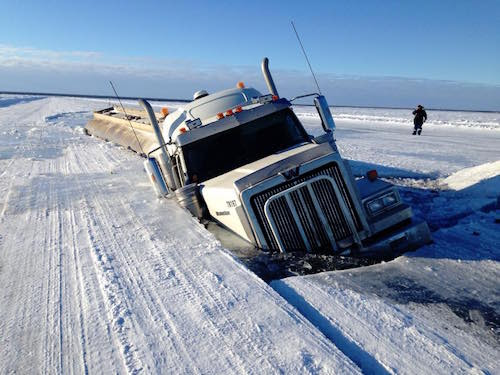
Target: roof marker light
point(183, 130)
point(264, 99)
point(240, 85)
point(372, 175)
point(229, 112)
point(238, 109)
point(164, 111)
point(275, 97)
point(220, 115)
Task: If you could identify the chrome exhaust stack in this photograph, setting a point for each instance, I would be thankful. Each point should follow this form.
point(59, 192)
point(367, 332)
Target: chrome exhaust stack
point(267, 77)
point(155, 177)
point(163, 159)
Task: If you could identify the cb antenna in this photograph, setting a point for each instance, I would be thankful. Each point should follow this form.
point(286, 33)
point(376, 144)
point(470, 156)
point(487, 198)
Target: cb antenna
point(126, 116)
point(305, 55)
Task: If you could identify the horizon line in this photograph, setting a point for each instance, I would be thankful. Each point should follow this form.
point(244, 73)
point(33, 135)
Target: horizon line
point(189, 100)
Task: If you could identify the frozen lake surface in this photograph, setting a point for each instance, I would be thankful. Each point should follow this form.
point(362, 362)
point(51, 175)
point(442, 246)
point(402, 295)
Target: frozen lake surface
point(98, 275)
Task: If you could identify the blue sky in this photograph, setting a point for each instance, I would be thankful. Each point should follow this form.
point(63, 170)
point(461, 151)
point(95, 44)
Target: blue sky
point(443, 53)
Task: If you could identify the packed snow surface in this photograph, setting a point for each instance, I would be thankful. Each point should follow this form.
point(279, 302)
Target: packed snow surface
point(99, 276)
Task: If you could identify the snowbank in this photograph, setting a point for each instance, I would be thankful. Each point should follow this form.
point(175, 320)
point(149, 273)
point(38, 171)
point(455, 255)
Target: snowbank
point(485, 177)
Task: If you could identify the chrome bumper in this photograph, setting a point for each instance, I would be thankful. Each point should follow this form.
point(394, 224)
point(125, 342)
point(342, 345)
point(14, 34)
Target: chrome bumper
point(408, 238)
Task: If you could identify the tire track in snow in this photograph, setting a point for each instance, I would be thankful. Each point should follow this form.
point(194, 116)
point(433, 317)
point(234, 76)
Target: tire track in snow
point(5, 203)
point(188, 293)
point(51, 303)
point(92, 273)
point(89, 284)
point(142, 296)
point(22, 223)
point(67, 207)
point(108, 288)
point(80, 286)
point(368, 363)
point(95, 286)
point(96, 245)
point(59, 299)
point(7, 168)
point(98, 211)
point(100, 218)
point(36, 221)
point(191, 277)
point(195, 271)
point(48, 304)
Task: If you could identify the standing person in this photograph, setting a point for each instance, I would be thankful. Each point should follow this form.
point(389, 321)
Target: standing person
point(419, 119)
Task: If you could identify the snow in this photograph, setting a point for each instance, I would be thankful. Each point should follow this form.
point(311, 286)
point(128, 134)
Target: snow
point(436, 310)
point(99, 276)
point(432, 311)
point(444, 147)
point(402, 117)
point(475, 175)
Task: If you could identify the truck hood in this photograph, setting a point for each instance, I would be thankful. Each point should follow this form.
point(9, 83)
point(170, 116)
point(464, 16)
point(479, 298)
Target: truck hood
point(257, 171)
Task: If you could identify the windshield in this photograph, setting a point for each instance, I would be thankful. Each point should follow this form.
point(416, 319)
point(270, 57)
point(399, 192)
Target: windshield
point(223, 152)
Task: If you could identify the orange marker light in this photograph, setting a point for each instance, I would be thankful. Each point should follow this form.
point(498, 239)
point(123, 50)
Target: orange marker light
point(220, 115)
point(164, 111)
point(275, 97)
point(240, 85)
point(372, 175)
point(183, 130)
point(229, 112)
point(238, 109)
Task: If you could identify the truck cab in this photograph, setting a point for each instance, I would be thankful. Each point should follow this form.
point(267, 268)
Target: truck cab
point(244, 160)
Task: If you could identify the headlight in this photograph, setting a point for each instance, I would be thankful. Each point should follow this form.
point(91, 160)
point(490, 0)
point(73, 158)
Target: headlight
point(375, 206)
point(389, 200)
point(381, 203)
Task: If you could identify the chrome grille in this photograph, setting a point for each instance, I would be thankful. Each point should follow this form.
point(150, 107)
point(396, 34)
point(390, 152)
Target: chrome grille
point(309, 215)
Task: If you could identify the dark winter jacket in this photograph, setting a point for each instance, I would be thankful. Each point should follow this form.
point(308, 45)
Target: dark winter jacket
point(420, 114)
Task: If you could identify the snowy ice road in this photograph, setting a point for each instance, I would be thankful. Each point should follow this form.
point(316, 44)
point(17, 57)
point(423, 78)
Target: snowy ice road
point(97, 276)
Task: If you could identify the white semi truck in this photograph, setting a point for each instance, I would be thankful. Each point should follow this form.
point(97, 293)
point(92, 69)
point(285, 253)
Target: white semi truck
point(244, 160)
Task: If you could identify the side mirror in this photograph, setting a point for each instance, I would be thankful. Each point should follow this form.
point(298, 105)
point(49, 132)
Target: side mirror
point(324, 113)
